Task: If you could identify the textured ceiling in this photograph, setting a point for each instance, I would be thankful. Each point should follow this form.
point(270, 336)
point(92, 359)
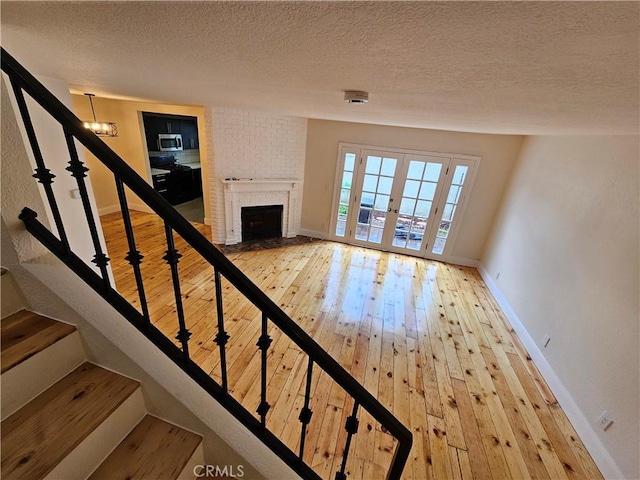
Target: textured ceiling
point(497, 67)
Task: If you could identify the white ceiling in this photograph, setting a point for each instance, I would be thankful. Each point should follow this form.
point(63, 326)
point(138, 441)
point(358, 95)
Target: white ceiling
point(495, 67)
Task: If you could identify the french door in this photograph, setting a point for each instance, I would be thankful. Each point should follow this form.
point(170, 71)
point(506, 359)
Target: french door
point(400, 201)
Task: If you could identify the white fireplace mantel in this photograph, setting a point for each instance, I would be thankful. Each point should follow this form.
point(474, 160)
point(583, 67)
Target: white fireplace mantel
point(255, 192)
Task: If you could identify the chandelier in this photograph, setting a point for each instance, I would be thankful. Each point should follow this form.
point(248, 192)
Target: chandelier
point(101, 129)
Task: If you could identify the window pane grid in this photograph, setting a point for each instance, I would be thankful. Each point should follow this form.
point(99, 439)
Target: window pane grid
point(453, 198)
point(345, 194)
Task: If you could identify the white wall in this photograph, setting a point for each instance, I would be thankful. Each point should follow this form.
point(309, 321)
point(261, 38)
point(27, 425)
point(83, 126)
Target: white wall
point(565, 244)
point(253, 144)
point(498, 153)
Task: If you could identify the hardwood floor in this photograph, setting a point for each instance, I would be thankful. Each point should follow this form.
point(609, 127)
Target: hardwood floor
point(426, 338)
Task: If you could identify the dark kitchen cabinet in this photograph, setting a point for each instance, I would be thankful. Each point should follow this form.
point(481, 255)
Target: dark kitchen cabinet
point(156, 123)
point(151, 132)
point(197, 182)
point(189, 131)
point(161, 184)
point(179, 186)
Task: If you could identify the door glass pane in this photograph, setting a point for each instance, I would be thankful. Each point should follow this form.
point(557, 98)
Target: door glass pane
point(459, 174)
point(373, 165)
point(367, 199)
point(449, 211)
point(389, 167)
point(344, 196)
point(411, 188)
point(401, 233)
point(427, 191)
point(362, 232)
point(415, 170)
point(370, 183)
point(423, 208)
point(375, 199)
point(349, 162)
point(432, 172)
point(454, 193)
point(375, 235)
point(407, 206)
point(345, 193)
point(384, 185)
point(347, 178)
point(382, 202)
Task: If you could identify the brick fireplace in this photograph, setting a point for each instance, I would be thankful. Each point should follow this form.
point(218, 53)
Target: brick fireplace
point(261, 193)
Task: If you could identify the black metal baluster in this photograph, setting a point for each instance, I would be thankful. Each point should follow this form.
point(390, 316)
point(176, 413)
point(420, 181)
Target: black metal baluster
point(134, 257)
point(221, 337)
point(351, 426)
point(263, 344)
point(306, 413)
point(43, 174)
point(172, 258)
point(79, 172)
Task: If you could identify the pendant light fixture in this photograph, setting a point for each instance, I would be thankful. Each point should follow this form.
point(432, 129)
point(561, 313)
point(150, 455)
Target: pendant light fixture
point(101, 129)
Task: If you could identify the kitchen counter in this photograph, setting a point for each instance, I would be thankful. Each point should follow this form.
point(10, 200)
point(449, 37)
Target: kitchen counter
point(160, 171)
point(193, 165)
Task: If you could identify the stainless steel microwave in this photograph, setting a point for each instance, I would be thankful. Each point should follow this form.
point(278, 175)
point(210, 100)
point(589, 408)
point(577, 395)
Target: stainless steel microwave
point(169, 142)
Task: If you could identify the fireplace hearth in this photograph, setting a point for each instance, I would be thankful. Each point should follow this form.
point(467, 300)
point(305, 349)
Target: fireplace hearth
point(261, 222)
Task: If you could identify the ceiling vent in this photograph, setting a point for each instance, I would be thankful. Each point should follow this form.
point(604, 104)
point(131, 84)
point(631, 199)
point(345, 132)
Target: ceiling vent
point(354, 96)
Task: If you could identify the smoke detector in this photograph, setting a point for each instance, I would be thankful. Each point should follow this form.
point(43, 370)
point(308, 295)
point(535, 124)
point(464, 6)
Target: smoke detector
point(354, 96)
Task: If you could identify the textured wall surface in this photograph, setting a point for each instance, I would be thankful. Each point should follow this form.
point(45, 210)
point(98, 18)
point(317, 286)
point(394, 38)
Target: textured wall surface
point(565, 246)
point(253, 144)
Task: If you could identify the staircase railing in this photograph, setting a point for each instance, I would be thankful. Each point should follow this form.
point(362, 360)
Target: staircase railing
point(23, 82)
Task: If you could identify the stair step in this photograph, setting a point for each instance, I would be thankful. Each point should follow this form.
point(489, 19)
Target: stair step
point(36, 438)
point(25, 334)
point(154, 449)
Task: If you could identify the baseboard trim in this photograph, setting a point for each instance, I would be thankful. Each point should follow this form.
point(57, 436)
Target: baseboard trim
point(139, 207)
point(592, 442)
point(313, 233)
point(108, 210)
point(463, 261)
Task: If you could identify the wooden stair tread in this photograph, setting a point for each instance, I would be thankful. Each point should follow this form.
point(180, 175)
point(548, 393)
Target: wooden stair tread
point(154, 449)
point(43, 432)
point(25, 333)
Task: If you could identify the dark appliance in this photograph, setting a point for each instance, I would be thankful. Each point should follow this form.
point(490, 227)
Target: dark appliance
point(170, 142)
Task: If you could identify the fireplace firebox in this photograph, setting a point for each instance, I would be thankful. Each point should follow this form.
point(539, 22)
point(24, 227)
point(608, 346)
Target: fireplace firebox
point(261, 222)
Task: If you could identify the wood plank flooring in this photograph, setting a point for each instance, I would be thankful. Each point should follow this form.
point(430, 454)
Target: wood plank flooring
point(425, 338)
point(26, 333)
